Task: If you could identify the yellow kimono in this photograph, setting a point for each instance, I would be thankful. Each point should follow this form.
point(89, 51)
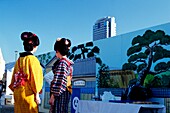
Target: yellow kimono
point(24, 95)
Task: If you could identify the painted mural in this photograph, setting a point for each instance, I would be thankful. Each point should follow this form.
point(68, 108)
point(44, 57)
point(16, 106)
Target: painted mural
point(45, 58)
point(142, 56)
point(88, 50)
point(146, 50)
point(145, 53)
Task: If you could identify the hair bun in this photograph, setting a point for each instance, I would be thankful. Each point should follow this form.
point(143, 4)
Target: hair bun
point(30, 38)
point(26, 36)
point(62, 45)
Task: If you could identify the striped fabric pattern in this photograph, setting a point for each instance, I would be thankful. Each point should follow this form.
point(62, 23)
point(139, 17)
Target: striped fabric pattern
point(61, 103)
point(59, 83)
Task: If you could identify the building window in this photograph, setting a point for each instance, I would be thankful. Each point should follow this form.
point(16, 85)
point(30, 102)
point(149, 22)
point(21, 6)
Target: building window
point(110, 29)
point(105, 23)
point(98, 25)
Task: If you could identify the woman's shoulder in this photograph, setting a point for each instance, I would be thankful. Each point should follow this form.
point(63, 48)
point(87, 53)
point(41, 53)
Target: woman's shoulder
point(32, 58)
point(66, 61)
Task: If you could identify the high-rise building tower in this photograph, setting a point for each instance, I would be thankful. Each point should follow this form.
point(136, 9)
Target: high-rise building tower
point(104, 28)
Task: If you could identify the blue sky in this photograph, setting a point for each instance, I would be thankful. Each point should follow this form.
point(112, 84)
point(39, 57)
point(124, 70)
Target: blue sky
point(73, 19)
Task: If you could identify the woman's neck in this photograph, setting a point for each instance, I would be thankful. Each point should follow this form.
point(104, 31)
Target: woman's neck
point(32, 52)
point(60, 57)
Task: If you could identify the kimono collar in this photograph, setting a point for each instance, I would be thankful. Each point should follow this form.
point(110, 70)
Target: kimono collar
point(68, 60)
point(25, 54)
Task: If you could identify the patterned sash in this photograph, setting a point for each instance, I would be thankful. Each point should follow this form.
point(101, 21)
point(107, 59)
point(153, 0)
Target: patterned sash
point(20, 77)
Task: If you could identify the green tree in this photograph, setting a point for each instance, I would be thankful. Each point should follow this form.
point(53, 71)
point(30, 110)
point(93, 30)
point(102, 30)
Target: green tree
point(147, 49)
point(103, 76)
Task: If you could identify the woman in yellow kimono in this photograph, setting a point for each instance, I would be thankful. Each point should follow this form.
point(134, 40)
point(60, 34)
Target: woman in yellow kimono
point(27, 79)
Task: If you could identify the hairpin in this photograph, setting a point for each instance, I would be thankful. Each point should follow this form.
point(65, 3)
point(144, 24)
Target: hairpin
point(34, 35)
point(58, 39)
point(25, 36)
point(66, 42)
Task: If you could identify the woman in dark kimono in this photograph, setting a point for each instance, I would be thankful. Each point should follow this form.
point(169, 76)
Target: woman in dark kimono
point(60, 87)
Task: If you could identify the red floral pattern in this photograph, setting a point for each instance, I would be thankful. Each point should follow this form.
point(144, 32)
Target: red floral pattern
point(20, 79)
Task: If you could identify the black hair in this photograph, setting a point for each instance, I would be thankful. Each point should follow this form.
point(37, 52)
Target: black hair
point(62, 45)
point(30, 40)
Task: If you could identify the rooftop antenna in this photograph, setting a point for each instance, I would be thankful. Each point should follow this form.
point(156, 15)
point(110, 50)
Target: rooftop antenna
point(16, 55)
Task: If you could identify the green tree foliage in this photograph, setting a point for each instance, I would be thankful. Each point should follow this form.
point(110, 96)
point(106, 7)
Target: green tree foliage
point(103, 76)
point(147, 49)
point(44, 58)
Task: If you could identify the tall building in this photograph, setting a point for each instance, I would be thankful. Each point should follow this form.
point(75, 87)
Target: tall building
point(104, 28)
